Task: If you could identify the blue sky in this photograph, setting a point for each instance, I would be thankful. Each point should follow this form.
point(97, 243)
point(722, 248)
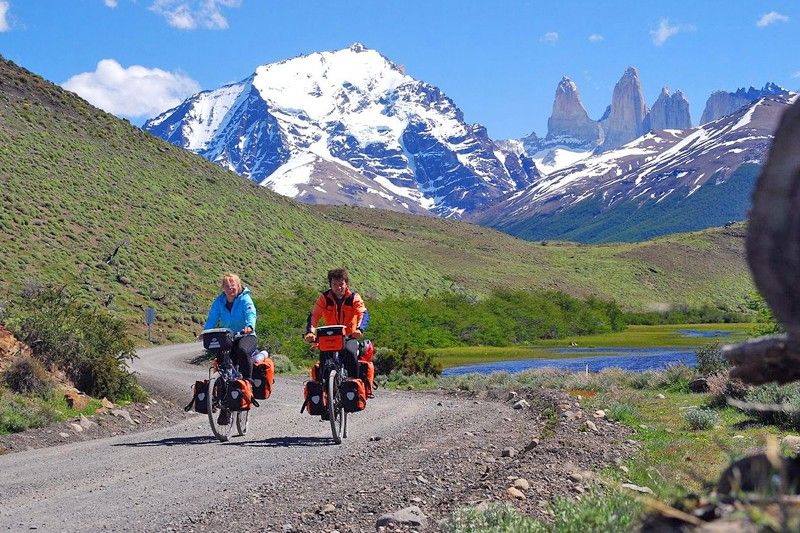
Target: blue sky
point(500, 61)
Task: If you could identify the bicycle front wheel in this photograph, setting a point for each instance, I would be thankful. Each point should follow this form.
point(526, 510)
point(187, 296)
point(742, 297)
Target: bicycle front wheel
point(216, 393)
point(335, 410)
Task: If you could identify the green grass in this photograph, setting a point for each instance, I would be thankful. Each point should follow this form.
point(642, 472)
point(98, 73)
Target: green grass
point(631, 337)
point(20, 412)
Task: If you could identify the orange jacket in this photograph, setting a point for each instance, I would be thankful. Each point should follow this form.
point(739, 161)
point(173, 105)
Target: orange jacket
point(349, 312)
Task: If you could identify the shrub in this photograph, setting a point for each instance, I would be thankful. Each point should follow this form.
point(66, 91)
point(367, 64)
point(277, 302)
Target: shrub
point(698, 418)
point(721, 387)
point(783, 399)
point(87, 343)
point(710, 359)
point(623, 412)
point(676, 377)
point(26, 375)
point(496, 517)
point(643, 380)
point(283, 364)
point(18, 413)
point(408, 360)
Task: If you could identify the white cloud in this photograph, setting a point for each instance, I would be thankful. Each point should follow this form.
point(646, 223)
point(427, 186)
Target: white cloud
point(596, 38)
point(135, 91)
point(665, 30)
point(796, 74)
point(771, 18)
point(550, 37)
point(193, 14)
point(111, 3)
point(3, 12)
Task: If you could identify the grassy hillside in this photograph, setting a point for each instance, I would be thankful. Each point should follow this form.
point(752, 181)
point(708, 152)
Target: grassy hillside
point(78, 184)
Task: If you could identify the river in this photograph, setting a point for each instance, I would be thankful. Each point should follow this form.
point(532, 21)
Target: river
point(596, 359)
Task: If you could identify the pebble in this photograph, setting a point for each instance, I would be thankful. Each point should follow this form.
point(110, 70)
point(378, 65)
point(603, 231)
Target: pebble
point(599, 414)
point(327, 508)
point(77, 428)
point(591, 425)
point(521, 484)
point(637, 488)
point(521, 404)
point(515, 493)
point(661, 396)
point(508, 452)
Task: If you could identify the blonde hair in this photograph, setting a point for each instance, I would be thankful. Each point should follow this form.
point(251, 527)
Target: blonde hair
point(235, 278)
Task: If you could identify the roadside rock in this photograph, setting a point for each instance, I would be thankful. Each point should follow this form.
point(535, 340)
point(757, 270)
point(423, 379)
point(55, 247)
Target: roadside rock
point(698, 385)
point(410, 516)
point(76, 399)
point(515, 493)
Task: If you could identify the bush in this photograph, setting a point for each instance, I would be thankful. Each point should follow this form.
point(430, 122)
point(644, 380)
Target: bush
point(87, 343)
point(785, 402)
point(26, 375)
point(408, 360)
point(710, 359)
point(721, 387)
point(496, 517)
point(698, 418)
point(283, 364)
point(624, 413)
point(18, 413)
point(676, 378)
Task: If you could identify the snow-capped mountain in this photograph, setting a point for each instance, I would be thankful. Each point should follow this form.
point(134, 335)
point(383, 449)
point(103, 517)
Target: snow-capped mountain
point(662, 182)
point(348, 127)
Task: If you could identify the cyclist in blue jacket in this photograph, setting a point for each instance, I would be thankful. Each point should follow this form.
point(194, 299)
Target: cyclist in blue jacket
point(234, 309)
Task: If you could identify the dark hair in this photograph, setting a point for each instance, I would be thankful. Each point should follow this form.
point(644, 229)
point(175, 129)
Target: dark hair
point(338, 273)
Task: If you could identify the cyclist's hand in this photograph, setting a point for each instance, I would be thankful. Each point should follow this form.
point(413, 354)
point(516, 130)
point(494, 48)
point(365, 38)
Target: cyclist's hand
point(357, 334)
point(199, 338)
point(247, 330)
point(309, 337)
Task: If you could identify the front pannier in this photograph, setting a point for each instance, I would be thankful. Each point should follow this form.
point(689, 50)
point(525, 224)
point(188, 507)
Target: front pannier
point(354, 395)
point(239, 396)
point(263, 378)
point(315, 398)
point(199, 397)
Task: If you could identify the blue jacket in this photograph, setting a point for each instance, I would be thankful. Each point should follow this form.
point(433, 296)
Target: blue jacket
point(241, 315)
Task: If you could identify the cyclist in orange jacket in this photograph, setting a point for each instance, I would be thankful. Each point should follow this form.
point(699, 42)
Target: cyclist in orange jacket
point(339, 305)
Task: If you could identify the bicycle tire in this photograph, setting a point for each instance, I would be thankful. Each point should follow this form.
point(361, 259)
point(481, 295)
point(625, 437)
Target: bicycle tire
point(335, 411)
point(242, 420)
point(221, 432)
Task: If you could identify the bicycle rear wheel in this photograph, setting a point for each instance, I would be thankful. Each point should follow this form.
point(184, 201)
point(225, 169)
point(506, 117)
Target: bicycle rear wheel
point(242, 419)
point(335, 410)
point(216, 393)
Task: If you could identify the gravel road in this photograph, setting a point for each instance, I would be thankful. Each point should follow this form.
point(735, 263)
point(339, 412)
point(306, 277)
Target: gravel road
point(435, 451)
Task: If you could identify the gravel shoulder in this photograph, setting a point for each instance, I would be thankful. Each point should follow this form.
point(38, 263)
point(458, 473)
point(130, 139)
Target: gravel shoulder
point(436, 451)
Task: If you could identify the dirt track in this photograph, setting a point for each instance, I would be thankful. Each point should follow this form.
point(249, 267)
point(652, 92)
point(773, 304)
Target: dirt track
point(434, 451)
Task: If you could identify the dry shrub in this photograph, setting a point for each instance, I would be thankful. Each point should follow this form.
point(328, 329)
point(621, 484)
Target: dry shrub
point(26, 375)
point(721, 387)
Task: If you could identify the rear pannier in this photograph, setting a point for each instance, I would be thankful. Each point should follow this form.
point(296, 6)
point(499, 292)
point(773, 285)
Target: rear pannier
point(354, 395)
point(239, 396)
point(263, 379)
point(315, 398)
point(366, 371)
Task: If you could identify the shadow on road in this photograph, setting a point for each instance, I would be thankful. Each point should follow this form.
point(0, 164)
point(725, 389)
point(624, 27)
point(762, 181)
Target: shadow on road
point(170, 441)
point(289, 442)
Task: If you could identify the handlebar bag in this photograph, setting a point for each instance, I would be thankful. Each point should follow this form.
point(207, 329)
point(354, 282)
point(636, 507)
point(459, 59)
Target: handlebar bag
point(239, 396)
point(263, 378)
point(218, 340)
point(354, 395)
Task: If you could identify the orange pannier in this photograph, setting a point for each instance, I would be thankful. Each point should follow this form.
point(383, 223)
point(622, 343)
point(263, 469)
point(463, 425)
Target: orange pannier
point(354, 395)
point(366, 371)
point(263, 378)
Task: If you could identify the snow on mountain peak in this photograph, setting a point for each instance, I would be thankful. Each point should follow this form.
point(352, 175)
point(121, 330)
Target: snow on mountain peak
point(356, 114)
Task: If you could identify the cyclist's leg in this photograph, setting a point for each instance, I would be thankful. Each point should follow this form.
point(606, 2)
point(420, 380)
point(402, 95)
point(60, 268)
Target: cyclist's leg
point(240, 354)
